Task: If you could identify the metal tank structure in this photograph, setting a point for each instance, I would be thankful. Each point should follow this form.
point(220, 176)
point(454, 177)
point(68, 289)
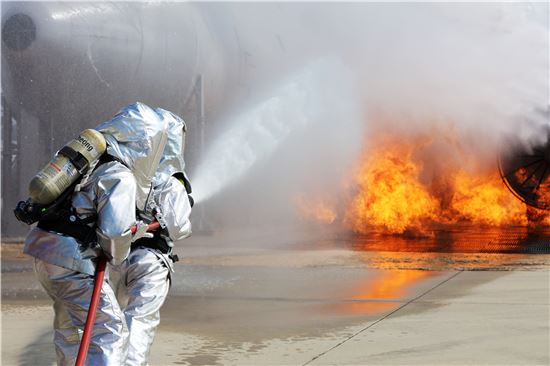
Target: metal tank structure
point(69, 66)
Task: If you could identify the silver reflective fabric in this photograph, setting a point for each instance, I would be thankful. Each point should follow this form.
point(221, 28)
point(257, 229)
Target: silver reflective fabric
point(171, 199)
point(142, 289)
point(137, 136)
point(63, 251)
point(114, 193)
point(172, 158)
point(71, 292)
point(170, 195)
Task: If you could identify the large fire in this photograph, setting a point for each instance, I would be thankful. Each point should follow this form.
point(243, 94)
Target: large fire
point(390, 194)
point(401, 186)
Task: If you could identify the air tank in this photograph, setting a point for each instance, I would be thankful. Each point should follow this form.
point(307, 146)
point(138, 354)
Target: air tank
point(60, 173)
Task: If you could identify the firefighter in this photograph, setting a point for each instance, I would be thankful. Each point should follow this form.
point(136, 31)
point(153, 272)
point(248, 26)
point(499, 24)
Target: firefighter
point(144, 278)
point(96, 220)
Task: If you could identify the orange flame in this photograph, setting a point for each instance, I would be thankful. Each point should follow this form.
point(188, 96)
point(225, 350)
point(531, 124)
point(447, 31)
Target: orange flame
point(390, 194)
point(485, 200)
point(393, 196)
point(402, 186)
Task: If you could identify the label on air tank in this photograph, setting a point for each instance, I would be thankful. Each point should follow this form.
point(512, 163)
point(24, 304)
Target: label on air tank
point(85, 143)
point(55, 167)
point(60, 176)
point(65, 180)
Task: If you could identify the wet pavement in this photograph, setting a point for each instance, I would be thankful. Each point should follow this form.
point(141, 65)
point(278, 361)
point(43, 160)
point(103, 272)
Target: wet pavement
point(260, 299)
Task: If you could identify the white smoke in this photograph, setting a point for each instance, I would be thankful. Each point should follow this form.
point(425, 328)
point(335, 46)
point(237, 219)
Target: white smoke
point(480, 69)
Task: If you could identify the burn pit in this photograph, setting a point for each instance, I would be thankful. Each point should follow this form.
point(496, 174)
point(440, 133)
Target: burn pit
point(427, 192)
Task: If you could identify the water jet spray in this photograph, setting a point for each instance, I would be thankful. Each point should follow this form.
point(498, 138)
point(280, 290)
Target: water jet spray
point(297, 103)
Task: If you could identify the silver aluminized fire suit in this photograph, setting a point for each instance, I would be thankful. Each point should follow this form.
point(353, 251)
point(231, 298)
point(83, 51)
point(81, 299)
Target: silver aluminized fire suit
point(105, 201)
point(144, 278)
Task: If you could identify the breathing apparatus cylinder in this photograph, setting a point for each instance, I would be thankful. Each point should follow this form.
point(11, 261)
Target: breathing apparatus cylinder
point(66, 167)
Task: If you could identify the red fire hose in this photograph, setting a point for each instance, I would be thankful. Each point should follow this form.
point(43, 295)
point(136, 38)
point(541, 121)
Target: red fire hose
point(90, 319)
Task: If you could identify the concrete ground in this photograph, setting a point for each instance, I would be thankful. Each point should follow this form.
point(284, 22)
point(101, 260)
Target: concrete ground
point(310, 303)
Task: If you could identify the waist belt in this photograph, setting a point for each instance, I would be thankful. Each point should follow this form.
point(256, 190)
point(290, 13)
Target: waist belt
point(156, 242)
point(78, 230)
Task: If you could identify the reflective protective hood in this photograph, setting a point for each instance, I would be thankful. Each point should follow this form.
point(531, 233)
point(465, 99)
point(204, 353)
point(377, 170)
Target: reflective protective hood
point(137, 136)
point(172, 160)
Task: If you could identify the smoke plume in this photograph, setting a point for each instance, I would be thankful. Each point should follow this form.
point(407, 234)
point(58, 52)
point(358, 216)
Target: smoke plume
point(479, 70)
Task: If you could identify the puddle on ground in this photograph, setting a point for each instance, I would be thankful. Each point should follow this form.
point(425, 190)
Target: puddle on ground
point(456, 247)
